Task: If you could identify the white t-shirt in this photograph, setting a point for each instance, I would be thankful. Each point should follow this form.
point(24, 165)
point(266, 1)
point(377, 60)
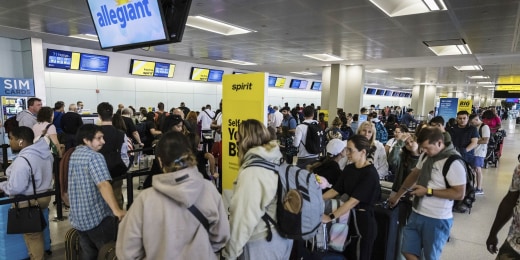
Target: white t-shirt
point(435, 207)
point(481, 149)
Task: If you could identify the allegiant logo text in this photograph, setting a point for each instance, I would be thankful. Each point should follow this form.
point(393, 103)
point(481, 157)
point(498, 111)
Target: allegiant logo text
point(123, 14)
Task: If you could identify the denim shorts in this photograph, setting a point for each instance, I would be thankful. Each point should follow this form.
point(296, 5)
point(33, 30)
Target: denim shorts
point(478, 162)
point(425, 234)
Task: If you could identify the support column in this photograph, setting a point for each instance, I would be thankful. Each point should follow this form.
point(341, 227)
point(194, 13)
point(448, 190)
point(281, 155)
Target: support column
point(423, 99)
point(38, 71)
point(342, 87)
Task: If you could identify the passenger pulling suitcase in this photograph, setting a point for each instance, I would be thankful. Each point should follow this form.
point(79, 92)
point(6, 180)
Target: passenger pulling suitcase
point(388, 232)
point(72, 249)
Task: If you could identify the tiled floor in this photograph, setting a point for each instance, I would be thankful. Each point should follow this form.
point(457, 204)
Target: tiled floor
point(469, 231)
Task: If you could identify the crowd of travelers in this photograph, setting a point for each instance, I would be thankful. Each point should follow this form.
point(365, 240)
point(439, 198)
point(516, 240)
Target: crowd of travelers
point(181, 215)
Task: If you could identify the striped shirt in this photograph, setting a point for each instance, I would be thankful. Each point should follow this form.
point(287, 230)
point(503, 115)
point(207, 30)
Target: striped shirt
point(87, 168)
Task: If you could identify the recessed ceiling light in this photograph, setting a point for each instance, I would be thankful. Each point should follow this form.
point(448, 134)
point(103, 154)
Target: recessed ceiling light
point(213, 25)
point(448, 47)
point(323, 57)
point(485, 83)
point(376, 71)
point(468, 67)
point(399, 8)
point(404, 78)
point(478, 77)
point(238, 62)
point(306, 73)
point(85, 36)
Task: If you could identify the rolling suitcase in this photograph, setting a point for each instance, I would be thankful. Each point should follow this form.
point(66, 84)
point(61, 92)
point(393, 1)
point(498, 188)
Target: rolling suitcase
point(72, 249)
point(388, 232)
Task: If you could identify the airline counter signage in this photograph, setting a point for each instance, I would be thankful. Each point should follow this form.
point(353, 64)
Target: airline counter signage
point(448, 108)
point(243, 97)
point(17, 87)
point(465, 105)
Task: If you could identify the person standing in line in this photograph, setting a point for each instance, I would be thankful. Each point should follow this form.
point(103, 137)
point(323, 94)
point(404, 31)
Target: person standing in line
point(360, 181)
point(159, 224)
point(377, 155)
point(509, 208)
point(205, 119)
point(408, 117)
point(93, 207)
point(131, 131)
point(480, 150)
point(36, 159)
point(70, 122)
point(355, 123)
point(59, 111)
point(253, 196)
point(28, 116)
point(45, 128)
point(304, 157)
point(79, 104)
point(464, 137)
point(114, 149)
point(428, 227)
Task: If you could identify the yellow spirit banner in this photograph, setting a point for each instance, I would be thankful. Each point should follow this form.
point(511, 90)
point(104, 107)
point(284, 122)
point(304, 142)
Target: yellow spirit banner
point(244, 96)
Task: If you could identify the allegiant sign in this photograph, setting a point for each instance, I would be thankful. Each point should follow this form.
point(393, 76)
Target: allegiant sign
point(16, 87)
point(125, 22)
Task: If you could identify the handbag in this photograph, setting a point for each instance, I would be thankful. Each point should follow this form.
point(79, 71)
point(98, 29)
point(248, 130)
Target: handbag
point(52, 146)
point(26, 220)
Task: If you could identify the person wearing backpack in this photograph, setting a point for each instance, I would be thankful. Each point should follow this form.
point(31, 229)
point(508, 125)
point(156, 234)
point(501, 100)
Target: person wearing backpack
point(360, 181)
point(303, 140)
point(428, 227)
point(255, 195)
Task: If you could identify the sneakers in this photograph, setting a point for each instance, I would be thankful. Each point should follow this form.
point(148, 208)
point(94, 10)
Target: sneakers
point(479, 192)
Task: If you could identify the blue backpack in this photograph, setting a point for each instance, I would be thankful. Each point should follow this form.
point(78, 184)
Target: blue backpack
point(381, 133)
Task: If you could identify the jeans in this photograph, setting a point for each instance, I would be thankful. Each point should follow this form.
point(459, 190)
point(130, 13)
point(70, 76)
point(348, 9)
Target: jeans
point(91, 241)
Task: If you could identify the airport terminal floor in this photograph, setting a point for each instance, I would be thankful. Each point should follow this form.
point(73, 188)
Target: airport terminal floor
point(469, 232)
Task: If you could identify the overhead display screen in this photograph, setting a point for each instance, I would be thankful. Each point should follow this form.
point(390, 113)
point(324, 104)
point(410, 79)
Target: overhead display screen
point(388, 93)
point(164, 70)
point(303, 84)
point(92, 62)
point(271, 81)
point(62, 59)
point(215, 75)
point(316, 85)
point(295, 83)
point(123, 23)
point(280, 82)
point(142, 68)
point(199, 74)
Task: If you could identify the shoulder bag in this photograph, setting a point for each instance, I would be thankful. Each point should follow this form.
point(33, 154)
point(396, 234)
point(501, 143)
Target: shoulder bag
point(26, 220)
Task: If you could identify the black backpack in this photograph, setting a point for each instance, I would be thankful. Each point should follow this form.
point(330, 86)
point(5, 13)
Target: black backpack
point(10, 124)
point(141, 129)
point(464, 205)
point(315, 141)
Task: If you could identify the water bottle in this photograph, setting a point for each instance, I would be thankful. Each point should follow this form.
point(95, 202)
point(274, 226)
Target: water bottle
point(322, 238)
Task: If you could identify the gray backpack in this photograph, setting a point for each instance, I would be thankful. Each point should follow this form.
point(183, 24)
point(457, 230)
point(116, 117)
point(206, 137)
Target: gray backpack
point(299, 204)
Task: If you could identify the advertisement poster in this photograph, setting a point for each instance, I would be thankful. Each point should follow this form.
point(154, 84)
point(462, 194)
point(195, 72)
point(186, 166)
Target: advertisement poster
point(465, 105)
point(244, 96)
point(448, 108)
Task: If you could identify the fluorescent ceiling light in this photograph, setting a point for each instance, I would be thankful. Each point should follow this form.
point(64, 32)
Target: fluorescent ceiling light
point(376, 71)
point(85, 36)
point(439, 86)
point(485, 83)
point(488, 86)
point(459, 49)
point(212, 25)
point(323, 57)
point(468, 67)
point(407, 89)
point(305, 73)
point(238, 62)
point(407, 7)
point(404, 78)
point(372, 84)
point(478, 77)
point(393, 87)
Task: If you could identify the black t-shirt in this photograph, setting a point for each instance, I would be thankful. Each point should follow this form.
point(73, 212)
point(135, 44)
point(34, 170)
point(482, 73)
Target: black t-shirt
point(361, 184)
point(330, 170)
point(461, 137)
point(130, 128)
point(70, 122)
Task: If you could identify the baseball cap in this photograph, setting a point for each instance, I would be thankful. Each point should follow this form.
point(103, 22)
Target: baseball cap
point(335, 146)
